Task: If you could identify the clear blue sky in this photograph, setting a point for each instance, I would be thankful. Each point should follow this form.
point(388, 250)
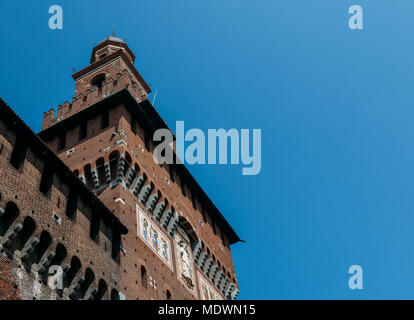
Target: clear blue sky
point(336, 109)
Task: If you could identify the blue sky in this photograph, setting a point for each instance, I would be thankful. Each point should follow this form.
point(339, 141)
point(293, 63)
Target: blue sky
point(335, 107)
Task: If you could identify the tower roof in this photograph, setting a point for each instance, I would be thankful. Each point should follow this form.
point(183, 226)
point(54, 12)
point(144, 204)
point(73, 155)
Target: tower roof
point(114, 39)
point(112, 42)
point(107, 50)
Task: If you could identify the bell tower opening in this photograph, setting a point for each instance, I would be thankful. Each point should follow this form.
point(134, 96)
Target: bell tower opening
point(98, 81)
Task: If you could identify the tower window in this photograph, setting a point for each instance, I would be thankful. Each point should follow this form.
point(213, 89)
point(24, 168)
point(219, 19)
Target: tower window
point(147, 141)
point(46, 180)
point(116, 245)
point(194, 201)
point(94, 227)
point(213, 226)
point(203, 210)
point(104, 120)
point(144, 277)
point(19, 152)
point(83, 130)
point(171, 169)
point(71, 205)
point(133, 125)
point(98, 81)
point(183, 189)
point(62, 142)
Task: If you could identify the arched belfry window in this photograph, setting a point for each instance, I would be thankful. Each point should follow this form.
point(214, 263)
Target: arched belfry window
point(98, 81)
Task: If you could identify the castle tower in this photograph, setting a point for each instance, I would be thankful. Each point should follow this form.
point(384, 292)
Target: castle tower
point(178, 244)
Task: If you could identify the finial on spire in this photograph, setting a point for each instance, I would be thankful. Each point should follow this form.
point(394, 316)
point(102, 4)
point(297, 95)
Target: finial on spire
point(113, 30)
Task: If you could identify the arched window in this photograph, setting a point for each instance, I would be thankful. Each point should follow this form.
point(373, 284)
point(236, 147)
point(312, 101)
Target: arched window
point(29, 227)
point(75, 266)
point(144, 280)
point(60, 255)
point(113, 163)
point(10, 214)
point(89, 278)
point(102, 288)
point(128, 163)
point(88, 175)
point(136, 170)
point(44, 243)
point(100, 167)
point(189, 230)
point(168, 295)
point(98, 81)
point(115, 295)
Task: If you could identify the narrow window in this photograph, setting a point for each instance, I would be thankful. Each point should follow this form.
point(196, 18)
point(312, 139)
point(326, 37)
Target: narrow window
point(83, 130)
point(19, 152)
point(6, 220)
point(115, 295)
point(100, 167)
point(183, 189)
point(223, 239)
point(203, 210)
point(62, 142)
point(46, 180)
point(144, 277)
point(213, 226)
point(94, 231)
point(133, 125)
point(104, 120)
point(168, 295)
point(88, 176)
point(116, 245)
point(171, 169)
point(147, 141)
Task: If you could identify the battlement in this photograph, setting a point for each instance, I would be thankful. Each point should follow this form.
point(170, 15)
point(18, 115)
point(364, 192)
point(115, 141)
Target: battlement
point(91, 93)
point(43, 230)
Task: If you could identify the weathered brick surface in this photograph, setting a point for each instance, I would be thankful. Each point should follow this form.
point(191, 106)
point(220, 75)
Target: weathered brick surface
point(21, 187)
point(17, 284)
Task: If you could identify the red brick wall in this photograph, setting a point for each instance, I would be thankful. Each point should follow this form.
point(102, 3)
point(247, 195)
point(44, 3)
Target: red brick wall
point(21, 186)
point(100, 143)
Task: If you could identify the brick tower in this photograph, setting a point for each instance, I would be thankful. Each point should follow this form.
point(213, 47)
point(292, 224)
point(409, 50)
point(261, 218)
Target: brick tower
point(178, 244)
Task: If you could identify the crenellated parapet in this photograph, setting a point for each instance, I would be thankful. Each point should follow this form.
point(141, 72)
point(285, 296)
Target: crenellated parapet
point(43, 236)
